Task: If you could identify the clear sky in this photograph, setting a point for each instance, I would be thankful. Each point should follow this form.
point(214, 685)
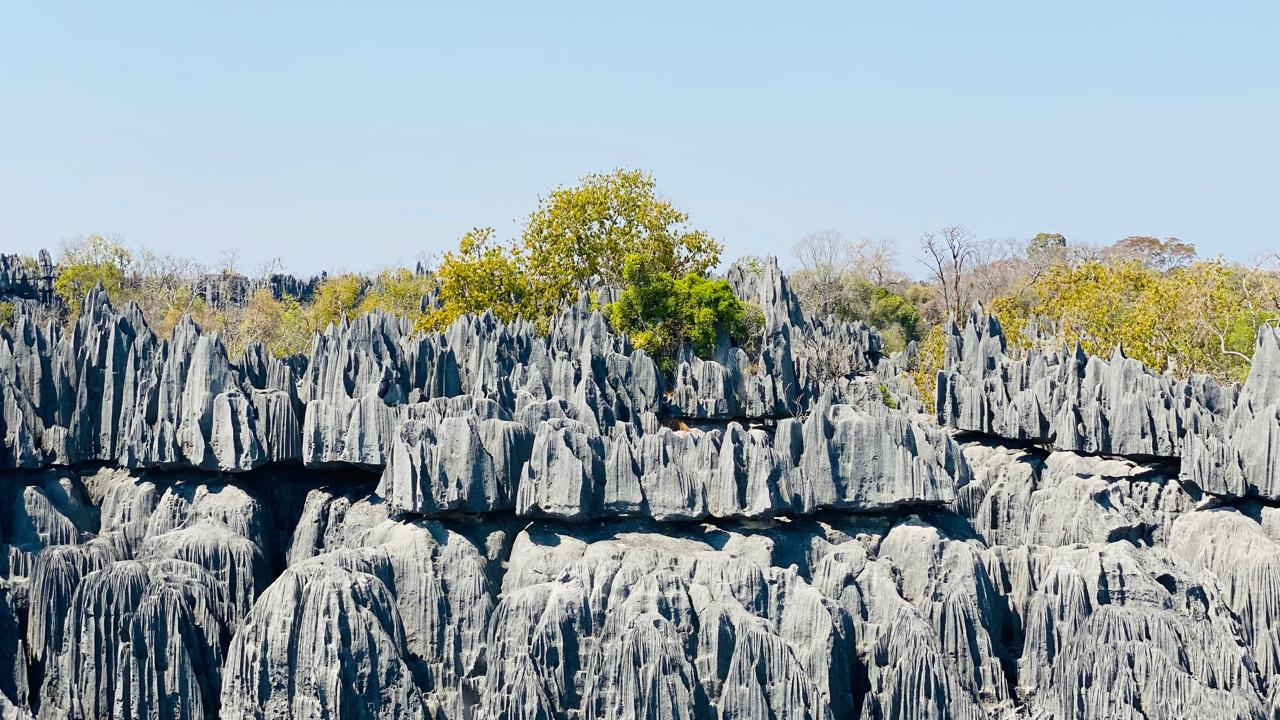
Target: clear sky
point(347, 138)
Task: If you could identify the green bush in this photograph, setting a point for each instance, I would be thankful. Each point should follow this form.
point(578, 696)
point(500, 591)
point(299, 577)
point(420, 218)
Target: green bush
point(662, 313)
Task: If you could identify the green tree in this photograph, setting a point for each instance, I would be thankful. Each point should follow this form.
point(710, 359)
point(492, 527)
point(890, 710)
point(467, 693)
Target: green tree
point(584, 233)
point(577, 237)
point(1046, 242)
point(662, 313)
point(895, 316)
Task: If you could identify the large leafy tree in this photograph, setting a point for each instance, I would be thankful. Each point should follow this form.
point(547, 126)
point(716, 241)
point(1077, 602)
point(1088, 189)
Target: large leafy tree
point(1046, 243)
point(1153, 252)
point(583, 234)
point(577, 238)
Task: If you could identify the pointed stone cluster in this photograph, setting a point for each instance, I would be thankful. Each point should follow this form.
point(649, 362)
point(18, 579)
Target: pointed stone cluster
point(1069, 400)
point(21, 281)
point(1242, 459)
point(108, 390)
point(494, 523)
point(838, 457)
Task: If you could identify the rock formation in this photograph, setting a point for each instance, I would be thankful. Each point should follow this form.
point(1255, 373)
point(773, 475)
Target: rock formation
point(495, 523)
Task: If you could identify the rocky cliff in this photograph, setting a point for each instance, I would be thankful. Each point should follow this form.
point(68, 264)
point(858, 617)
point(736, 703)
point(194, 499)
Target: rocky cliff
point(493, 523)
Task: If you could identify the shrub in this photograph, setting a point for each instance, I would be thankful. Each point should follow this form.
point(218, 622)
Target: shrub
point(661, 313)
point(335, 298)
point(482, 275)
point(929, 362)
point(280, 324)
point(398, 291)
point(87, 263)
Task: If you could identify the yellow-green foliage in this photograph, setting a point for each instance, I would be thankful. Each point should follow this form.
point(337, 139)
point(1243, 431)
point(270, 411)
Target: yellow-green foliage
point(929, 362)
point(87, 263)
point(398, 291)
point(6, 314)
point(479, 276)
point(1197, 318)
point(335, 298)
point(1014, 314)
point(281, 325)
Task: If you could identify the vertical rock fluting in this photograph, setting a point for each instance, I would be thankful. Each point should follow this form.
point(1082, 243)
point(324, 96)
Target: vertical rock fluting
point(140, 640)
point(109, 390)
point(322, 641)
point(1243, 459)
point(838, 458)
point(635, 623)
point(1070, 400)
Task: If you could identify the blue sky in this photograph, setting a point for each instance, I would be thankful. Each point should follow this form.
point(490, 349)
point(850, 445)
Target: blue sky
point(348, 138)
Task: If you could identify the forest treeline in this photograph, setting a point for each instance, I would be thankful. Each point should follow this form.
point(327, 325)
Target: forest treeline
point(1157, 298)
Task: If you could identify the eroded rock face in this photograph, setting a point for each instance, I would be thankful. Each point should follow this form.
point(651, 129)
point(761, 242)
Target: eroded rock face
point(462, 463)
point(1116, 631)
point(1243, 459)
point(1024, 497)
point(624, 623)
point(1070, 400)
point(492, 523)
point(837, 458)
point(1095, 573)
point(110, 390)
point(323, 641)
point(141, 640)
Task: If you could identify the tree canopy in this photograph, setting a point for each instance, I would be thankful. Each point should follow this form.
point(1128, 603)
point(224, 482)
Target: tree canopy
point(581, 234)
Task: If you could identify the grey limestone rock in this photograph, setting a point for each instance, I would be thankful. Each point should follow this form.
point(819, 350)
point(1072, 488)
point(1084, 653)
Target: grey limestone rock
point(1027, 497)
point(322, 641)
point(1070, 400)
point(1113, 631)
point(625, 623)
point(565, 466)
point(560, 532)
point(1240, 551)
point(109, 390)
point(1243, 459)
point(13, 669)
point(837, 458)
point(18, 279)
point(456, 464)
point(141, 640)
